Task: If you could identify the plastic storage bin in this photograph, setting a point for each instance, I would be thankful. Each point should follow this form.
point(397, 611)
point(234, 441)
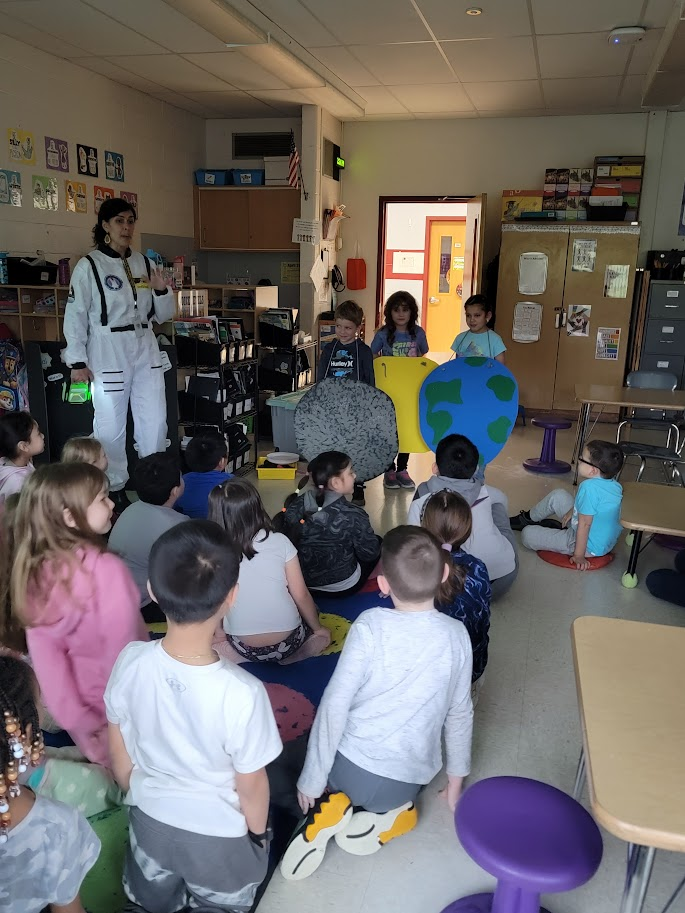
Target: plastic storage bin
point(285, 472)
point(283, 420)
point(19, 273)
point(245, 177)
point(211, 177)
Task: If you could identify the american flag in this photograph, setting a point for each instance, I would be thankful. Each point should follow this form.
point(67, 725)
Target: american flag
point(293, 163)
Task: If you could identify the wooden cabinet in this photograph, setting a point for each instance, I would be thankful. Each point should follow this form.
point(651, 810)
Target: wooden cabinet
point(235, 218)
point(33, 311)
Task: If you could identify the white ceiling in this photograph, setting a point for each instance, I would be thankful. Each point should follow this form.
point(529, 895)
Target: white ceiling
point(358, 58)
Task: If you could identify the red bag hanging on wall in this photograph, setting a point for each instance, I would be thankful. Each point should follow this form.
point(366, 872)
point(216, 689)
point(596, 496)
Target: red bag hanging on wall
point(356, 270)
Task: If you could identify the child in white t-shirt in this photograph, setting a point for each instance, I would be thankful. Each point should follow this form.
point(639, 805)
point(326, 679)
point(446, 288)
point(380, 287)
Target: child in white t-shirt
point(274, 617)
point(190, 737)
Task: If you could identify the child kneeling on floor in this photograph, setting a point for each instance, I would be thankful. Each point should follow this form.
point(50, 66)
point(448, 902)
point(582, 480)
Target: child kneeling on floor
point(589, 525)
point(190, 737)
point(404, 674)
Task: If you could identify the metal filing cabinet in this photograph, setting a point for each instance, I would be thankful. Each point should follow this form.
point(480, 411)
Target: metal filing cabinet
point(663, 348)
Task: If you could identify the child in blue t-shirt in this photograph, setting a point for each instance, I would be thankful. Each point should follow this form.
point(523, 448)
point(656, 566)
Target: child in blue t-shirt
point(206, 458)
point(479, 340)
point(400, 336)
point(589, 525)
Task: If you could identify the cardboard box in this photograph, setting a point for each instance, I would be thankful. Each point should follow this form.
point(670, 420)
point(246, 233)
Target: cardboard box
point(514, 202)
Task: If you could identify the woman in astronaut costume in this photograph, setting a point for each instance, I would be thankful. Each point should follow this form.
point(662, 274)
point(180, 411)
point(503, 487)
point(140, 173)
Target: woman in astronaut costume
point(114, 297)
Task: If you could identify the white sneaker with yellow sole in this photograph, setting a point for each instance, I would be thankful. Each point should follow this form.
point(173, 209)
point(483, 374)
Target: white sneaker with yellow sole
point(367, 832)
point(304, 854)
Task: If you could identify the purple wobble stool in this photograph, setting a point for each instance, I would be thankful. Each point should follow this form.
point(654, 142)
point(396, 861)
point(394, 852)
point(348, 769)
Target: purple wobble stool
point(547, 461)
point(532, 837)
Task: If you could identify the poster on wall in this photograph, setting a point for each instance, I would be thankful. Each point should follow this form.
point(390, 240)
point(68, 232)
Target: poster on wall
point(578, 320)
point(608, 340)
point(45, 195)
point(22, 149)
point(10, 188)
point(616, 278)
point(131, 198)
point(584, 255)
point(290, 272)
point(532, 273)
point(114, 166)
point(100, 194)
point(56, 154)
point(87, 160)
point(75, 196)
point(527, 321)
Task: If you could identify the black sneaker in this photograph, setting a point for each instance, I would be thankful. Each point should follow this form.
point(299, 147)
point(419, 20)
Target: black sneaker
point(520, 521)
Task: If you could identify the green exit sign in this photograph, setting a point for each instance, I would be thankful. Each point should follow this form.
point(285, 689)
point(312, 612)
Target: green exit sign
point(340, 162)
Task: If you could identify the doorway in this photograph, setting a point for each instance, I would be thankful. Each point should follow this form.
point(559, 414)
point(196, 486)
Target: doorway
point(431, 247)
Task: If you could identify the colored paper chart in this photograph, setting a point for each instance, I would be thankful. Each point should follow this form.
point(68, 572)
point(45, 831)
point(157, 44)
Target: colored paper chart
point(401, 379)
point(10, 188)
point(114, 166)
point(476, 397)
point(45, 195)
point(21, 147)
point(75, 196)
point(100, 194)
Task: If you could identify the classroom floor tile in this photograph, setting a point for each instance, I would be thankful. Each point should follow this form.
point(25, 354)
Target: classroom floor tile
point(526, 721)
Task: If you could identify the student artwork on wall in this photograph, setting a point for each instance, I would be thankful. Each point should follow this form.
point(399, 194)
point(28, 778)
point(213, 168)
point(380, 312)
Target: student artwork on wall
point(114, 166)
point(22, 149)
point(608, 340)
point(131, 198)
point(584, 255)
point(578, 321)
point(10, 188)
point(100, 194)
point(56, 154)
point(532, 273)
point(87, 160)
point(616, 278)
point(45, 195)
point(75, 196)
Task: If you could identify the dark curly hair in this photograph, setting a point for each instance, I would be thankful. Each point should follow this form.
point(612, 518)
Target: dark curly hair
point(18, 689)
point(108, 210)
point(396, 299)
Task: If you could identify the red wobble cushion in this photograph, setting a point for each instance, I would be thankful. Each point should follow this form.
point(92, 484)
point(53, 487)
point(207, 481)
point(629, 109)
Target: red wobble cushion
point(564, 561)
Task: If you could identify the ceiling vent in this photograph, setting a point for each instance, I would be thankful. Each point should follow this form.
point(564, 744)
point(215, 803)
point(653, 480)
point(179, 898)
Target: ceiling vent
point(257, 145)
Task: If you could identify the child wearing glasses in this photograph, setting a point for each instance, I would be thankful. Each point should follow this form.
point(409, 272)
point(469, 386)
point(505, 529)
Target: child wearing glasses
point(589, 525)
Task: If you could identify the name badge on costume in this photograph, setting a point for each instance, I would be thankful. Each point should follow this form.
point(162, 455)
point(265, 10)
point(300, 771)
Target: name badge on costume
point(141, 283)
point(138, 327)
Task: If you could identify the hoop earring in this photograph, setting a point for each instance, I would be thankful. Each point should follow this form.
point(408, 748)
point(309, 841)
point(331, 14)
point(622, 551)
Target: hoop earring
point(107, 238)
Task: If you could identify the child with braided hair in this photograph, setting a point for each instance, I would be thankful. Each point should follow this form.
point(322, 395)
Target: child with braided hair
point(47, 848)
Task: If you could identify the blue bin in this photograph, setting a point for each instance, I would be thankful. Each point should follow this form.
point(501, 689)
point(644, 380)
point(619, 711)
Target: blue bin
point(246, 177)
point(211, 177)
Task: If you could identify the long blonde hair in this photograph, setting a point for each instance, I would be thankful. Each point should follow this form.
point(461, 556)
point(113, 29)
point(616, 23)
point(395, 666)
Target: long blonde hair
point(41, 532)
point(447, 515)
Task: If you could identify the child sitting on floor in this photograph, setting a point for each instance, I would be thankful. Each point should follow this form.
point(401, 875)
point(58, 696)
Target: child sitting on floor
point(85, 450)
point(590, 524)
point(190, 736)
point(47, 847)
point(491, 539)
point(403, 676)
point(78, 604)
point(338, 548)
point(465, 595)
point(206, 458)
point(20, 441)
point(274, 617)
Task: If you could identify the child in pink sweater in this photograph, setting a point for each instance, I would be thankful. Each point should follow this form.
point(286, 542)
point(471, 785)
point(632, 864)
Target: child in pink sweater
point(78, 603)
point(20, 440)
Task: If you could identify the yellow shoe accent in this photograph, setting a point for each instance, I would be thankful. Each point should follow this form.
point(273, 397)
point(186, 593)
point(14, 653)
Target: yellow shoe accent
point(332, 811)
point(406, 821)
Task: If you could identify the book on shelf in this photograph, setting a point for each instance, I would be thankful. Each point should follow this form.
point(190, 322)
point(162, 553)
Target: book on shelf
point(204, 329)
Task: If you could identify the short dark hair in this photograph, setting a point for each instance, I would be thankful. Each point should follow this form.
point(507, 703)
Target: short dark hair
point(456, 457)
point(108, 210)
point(413, 563)
point(349, 310)
point(205, 451)
point(325, 467)
point(193, 567)
point(155, 477)
point(478, 301)
point(605, 456)
point(237, 507)
point(15, 428)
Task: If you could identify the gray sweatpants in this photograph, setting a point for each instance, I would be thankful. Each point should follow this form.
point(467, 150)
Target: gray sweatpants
point(556, 503)
point(369, 791)
point(168, 869)
point(500, 517)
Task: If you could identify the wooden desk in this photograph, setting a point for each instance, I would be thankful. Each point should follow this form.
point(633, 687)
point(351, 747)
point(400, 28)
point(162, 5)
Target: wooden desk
point(589, 395)
point(648, 508)
point(630, 680)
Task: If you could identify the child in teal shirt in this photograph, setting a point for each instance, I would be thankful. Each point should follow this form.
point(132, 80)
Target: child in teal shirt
point(479, 341)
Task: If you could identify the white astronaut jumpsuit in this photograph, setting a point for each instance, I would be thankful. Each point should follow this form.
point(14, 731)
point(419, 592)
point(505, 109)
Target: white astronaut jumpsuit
point(108, 328)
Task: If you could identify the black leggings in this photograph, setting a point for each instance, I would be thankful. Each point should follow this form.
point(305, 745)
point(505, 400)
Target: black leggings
point(669, 584)
point(401, 463)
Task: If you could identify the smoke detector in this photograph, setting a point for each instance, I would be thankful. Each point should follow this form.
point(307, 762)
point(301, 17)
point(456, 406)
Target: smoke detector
point(626, 36)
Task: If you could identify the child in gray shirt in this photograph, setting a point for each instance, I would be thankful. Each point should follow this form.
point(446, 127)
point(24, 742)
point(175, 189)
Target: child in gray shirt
point(403, 677)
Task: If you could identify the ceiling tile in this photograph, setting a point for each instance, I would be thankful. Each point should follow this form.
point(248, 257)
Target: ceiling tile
point(528, 112)
point(170, 28)
point(500, 18)
point(232, 104)
point(361, 22)
point(73, 21)
point(301, 24)
point(644, 51)
point(445, 115)
point(220, 20)
point(404, 64)
point(557, 17)
point(36, 38)
point(589, 93)
point(187, 104)
point(286, 101)
point(340, 61)
point(580, 55)
point(118, 74)
point(276, 59)
point(173, 72)
point(631, 92)
point(380, 100)
point(505, 96)
point(486, 60)
point(657, 14)
point(432, 98)
point(235, 68)
point(335, 102)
